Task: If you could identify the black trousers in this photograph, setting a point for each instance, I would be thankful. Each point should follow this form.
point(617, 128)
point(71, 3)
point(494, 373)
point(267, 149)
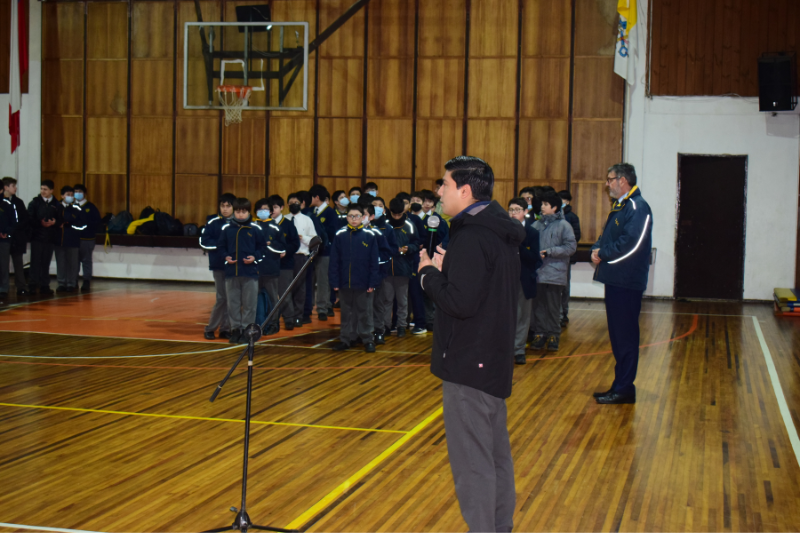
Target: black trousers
point(622, 313)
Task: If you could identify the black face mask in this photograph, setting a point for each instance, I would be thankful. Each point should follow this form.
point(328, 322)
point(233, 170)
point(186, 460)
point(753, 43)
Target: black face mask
point(397, 223)
point(294, 208)
point(415, 207)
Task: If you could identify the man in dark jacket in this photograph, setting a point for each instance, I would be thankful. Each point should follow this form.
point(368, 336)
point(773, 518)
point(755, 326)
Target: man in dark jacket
point(8, 223)
point(622, 257)
point(92, 218)
point(69, 242)
point(292, 241)
point(473, 340)
point(575, 222)
point(209, 239)
point(21, 235)
point(331, 223)
point(45, 219)
point(530, 261)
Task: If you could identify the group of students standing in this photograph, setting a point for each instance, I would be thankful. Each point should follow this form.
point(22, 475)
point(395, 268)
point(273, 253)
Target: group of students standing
point(66, 228)
point(367, 265)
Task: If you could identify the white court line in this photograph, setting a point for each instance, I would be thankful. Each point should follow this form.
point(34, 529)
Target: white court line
point(603, 310)
point(28, 320)
point(324, 342)
point(230, 347)
point(43, 528)
point(776, 386)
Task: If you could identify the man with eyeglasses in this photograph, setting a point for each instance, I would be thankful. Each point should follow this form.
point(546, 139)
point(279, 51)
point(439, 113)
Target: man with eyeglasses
point(622, 259)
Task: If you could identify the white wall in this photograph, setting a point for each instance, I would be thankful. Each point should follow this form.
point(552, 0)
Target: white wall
point(180, 264)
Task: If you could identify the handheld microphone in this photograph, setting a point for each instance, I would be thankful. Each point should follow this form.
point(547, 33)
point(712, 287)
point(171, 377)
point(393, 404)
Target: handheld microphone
point(313, 246)
point(433, 225)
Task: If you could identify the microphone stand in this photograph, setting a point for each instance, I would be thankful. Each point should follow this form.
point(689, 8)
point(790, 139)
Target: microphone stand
point(253, 332)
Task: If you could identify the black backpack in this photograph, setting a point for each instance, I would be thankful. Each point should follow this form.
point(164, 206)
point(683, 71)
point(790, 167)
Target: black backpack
point(147, 228)
point(120, 223)
point(190, 230)
point(146, 212)
point(167, 225)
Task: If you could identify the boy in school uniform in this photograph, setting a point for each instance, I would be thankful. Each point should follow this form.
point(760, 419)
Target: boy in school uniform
point(45, 218)
point(329, 220)
point(8, 223)
point(21, 234)
point(401, 268)
point(354, 273)
point(530, 261)
point(287, 261)
point(209, 239)
point(305, 232)
point(68, 248)
point(92, 218)
point(243, 244)
point(387, 249)
point(269, 269)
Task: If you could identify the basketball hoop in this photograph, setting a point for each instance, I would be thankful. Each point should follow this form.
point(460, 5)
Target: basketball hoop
point(233, 98)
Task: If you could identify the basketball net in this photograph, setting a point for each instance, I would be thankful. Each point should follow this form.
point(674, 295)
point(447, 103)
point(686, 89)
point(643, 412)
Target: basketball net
point(233, 98)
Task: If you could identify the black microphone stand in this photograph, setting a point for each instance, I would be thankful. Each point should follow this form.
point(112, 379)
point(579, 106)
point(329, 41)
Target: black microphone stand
point(253, 332)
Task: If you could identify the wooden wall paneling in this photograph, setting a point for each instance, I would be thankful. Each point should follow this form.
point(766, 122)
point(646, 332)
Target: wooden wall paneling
point(545, 88)
point(389, 150)
point(304, 11)
point(347, 41)
point(599, 93)
point(107, 192)
point(195, 197)
point(492, 88)
point(63, 79)
point(595, 27)
point(440, 87)
point(543, 151)
point(107, 88)
point(596, 145)
point(291, 146)
point(62, 30)
point(546, 28)
point(426, 183)
point(339, 147)
point(493, 30)
point(197, 88)
point(591, 203)
point(438, 141)
point(61, 179)
point(154, 191)
point(62, 144)
point(295, 96)
point(151, 145)
point(339, 183)
point(197, 145)
point(390, 87)
point(391, 29)
point(283, 186)
point(442, 28)
point(493, 141)
point(503, 191)
point(152, 87)
point(389, 188)
point(106, 145)
point(152, 33)
point(341, 83)
point(250, 187)
point(107, 30)
point(244, 146)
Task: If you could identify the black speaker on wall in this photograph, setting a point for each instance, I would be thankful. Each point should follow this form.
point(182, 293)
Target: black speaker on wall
point(777, 82)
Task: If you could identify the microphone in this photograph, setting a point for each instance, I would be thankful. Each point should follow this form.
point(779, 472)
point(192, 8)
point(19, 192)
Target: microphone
point(313, 246)
point(433, 224)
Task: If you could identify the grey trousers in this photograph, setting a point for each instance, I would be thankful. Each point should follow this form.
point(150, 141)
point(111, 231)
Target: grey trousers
point(565, 293)
point(299, 291)
point(41, 256)
point(379, 305)
point(270, 283)
point(19, 271)
point(5, 255)
point(284, 280)
point(547, 310)
point(480, 457)
point(67, 266)
point(395, 287)
point(242, 300)
point(219, 313)
point(524, 308)
point(323, 285)
point(85, 258)
point(356, 315)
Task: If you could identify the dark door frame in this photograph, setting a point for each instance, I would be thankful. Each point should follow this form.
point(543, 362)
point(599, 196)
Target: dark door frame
point(744, 221)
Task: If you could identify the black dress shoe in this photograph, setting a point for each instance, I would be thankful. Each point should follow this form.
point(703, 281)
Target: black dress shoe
point(401, 332)
point(323, 316)
point(341, 346)
point(272, 329)
point(379, 338)
point(289, 325)
point(86, 287)
point(235, 337)
point(519, 360)
point(61, 288)
point(331, 313)
point(209, 335)
point(306, 320)
point(616, 398)
point(606, 393)
point(369, 347)
point(299, 323)
point(22, 293)
point(46, 291)
point(224, 334)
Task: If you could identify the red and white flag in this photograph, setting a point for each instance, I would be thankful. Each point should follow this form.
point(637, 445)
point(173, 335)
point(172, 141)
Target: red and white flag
point(19, 66)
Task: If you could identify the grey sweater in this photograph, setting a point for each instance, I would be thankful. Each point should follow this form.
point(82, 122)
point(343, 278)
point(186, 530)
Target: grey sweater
point(557, 238)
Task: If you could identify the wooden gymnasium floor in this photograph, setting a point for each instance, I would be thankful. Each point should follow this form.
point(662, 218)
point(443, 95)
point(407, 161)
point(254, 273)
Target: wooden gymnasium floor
point(105, 423)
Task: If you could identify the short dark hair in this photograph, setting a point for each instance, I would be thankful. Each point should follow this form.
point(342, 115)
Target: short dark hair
point(518, 201)
point(80, 187)
point(241, 204)
point(295, 196)
point(397, 206)
point(404, 196)
point(547, 189)
point(565, 195)
point(364, 200)
point(275, 199)
point(319, 190)
point(472, 171)
point(336, 194)
point(67, 188)
point(49, 184)
point(304, 198)
point(371, 185)
point(227, 198)
point(429, 195)
point(416, 194)
point(354, 189)
point(537, 191)
point(9, 181)
point(528, 190)
point(370, 209)
point(553, 199)
point(440, 182)
point(624, 170)
point(381, 200)
point(263, 202)
point(355, 207)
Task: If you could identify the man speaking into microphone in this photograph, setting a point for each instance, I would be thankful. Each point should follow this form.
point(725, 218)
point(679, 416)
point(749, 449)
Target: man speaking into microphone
point(473, 285)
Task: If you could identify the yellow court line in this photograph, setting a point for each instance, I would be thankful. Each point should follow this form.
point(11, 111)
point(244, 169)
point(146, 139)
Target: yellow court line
point(352, 480)
point(183, 417)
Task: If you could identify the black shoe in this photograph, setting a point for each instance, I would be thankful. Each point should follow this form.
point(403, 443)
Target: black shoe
point(341, 346)
point(538, 342)
point(306, 320)
point(235, 336)
point(72, 289)
point(323, 316)
point(298, 323)
point(616, 398)
point(86, 287)
point(331, 313)
point(289, 325)
point(519, 360)
point(369, 347)
point(209, 335)
point(225, 335)
point(606, 393)
point(46, 291)
point(419, 331)
point(337, 305)
point(272, 329)
point(61, 288)
point(401, 332)
point(23, 292)
point(379, 338)
point(32, 291)
point(552, 343)
point(564, 322)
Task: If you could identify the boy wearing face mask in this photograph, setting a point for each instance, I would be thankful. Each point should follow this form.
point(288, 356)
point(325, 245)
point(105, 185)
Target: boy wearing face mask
point(92, 218)
point(305, 232)
point(354, 194)
point(387, 248)
point(242, 242)
point(287, 261)
point(371, 188)
point(270, 268)
point(45, 218)
point(415, 292)
point(340, 203)
point(68, 248)
point(209, 240)
point(329, 220)
point(401, 268)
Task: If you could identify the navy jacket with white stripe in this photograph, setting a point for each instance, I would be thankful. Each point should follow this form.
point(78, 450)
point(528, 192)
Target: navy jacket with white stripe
point(240, 240)
point(625, 244)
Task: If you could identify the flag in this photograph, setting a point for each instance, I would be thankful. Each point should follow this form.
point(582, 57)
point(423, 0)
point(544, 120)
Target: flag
point(19, 66)
point(626, 39)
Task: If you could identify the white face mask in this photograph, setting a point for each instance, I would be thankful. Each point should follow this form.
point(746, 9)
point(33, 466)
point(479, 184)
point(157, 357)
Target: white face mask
point(68, 199)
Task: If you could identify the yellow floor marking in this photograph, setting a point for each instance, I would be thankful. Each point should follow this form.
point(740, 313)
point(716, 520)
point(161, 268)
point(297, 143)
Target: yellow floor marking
point(183, 417)
point(352, 480)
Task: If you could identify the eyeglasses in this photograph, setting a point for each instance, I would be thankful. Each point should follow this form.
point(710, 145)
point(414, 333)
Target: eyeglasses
point(355, 217)
point(516, 210)
point(609, 180)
